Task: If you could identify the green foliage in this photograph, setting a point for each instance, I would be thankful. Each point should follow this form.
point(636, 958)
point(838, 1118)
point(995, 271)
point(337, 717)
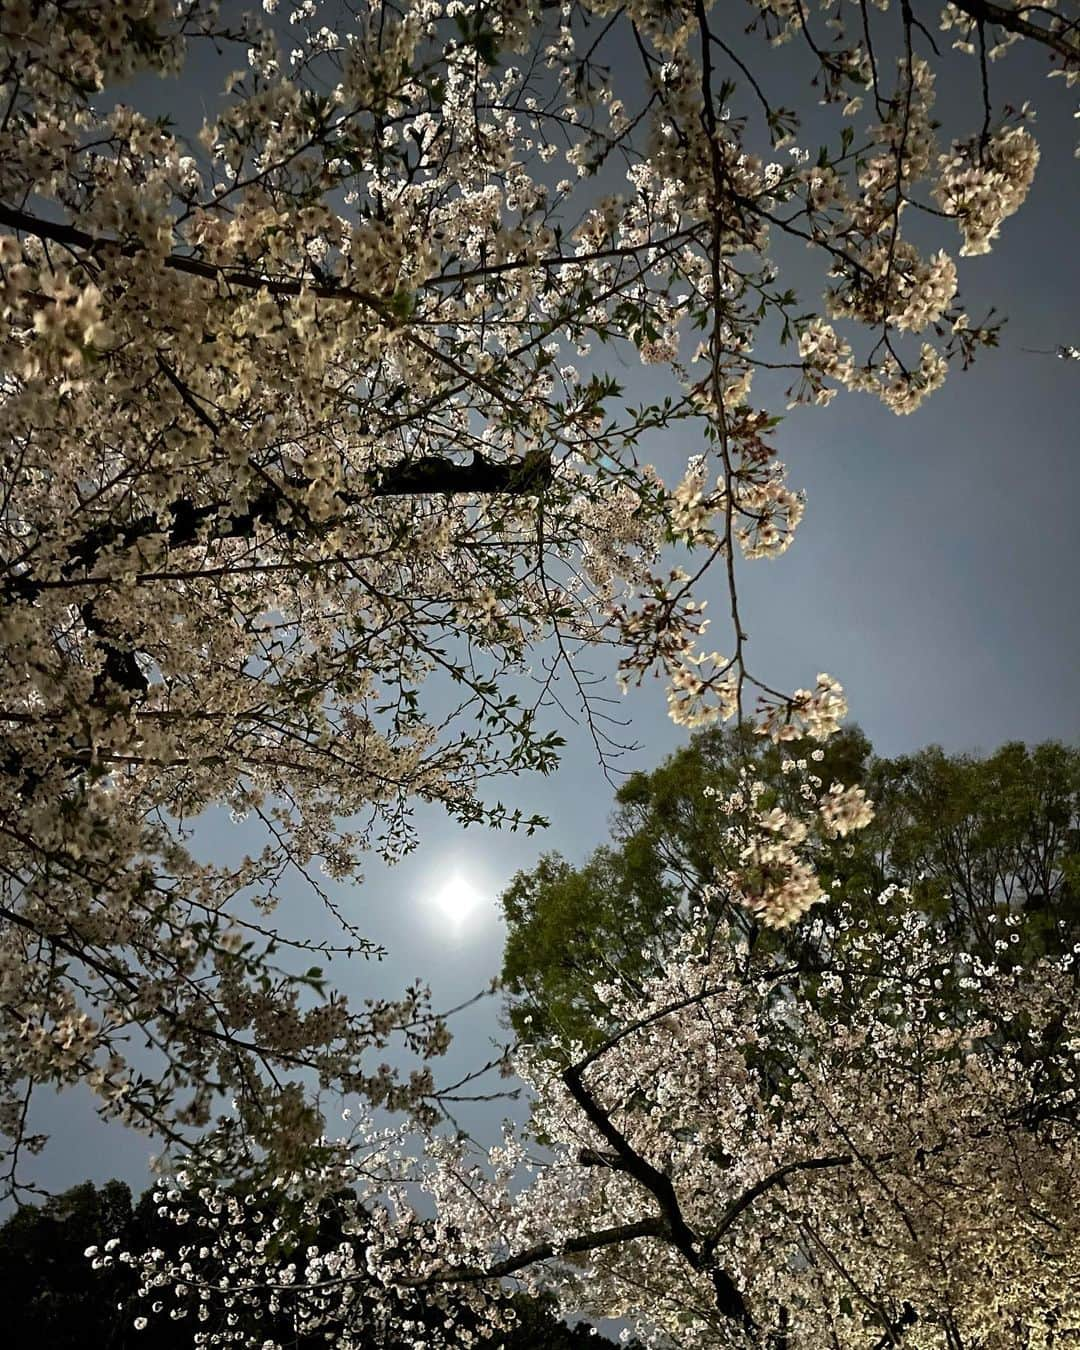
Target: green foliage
point(615, 917)
point(571, 926)
point(989, 846)
point(977, 840)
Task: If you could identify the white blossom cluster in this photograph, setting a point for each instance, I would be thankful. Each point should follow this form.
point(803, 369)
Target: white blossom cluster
point(775, 842)
point(881, 1140)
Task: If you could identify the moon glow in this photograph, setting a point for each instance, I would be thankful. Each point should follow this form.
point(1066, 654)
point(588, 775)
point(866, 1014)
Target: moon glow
point(457, 899)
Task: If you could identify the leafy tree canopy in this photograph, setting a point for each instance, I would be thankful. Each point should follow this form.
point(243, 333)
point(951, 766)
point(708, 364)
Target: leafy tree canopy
point(974, 840)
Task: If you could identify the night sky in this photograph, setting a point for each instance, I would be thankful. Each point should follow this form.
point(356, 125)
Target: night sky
point(933, 575)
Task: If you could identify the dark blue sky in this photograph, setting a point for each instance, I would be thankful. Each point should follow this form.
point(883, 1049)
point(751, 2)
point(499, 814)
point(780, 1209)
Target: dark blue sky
point(933, 574)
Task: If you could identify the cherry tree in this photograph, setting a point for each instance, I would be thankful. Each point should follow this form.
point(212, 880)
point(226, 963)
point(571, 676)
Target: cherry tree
point(309, 465)
point(758, 1156)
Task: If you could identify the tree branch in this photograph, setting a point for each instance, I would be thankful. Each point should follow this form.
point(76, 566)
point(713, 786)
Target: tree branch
point(776, 1178)
point(72, 236)
point(428, 475)
point(545, 1251)
point(728, 1298)
point(1065, 43)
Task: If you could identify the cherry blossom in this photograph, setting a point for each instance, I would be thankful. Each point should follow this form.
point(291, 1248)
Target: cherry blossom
point(302, 415)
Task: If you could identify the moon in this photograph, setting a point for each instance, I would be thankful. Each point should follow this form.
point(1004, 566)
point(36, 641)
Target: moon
point(457, 899)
